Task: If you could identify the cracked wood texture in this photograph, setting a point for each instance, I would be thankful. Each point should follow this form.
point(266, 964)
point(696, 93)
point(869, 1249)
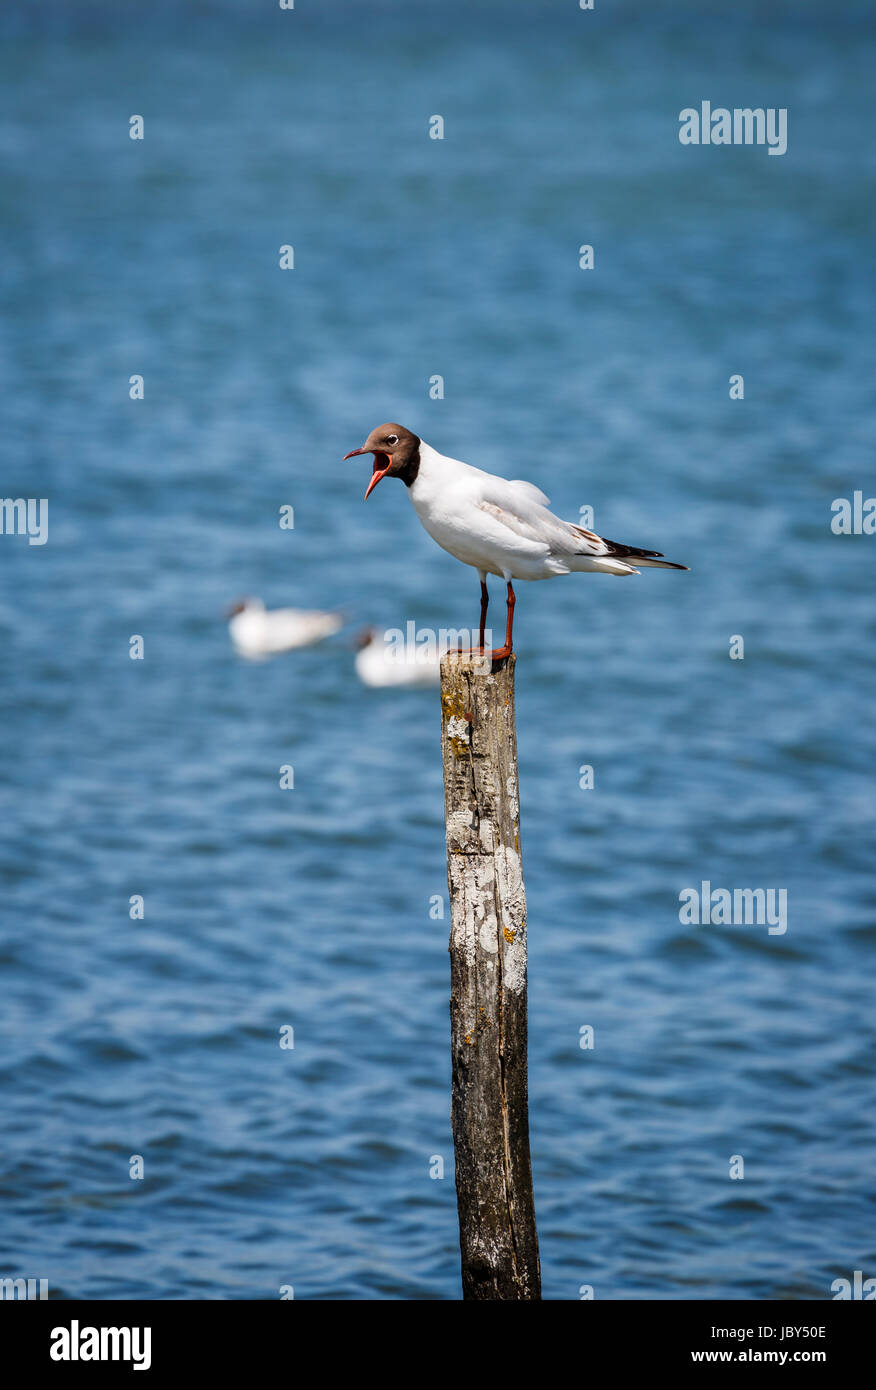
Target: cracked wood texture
point(490, 1117)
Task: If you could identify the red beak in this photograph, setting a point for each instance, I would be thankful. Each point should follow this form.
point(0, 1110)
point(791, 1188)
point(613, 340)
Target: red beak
point(378, 472)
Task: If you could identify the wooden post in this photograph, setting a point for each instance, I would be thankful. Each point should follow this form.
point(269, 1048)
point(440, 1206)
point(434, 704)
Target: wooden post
point(497, 1233)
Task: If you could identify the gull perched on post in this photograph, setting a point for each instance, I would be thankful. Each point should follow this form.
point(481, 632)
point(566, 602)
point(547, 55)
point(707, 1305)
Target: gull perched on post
point(495, 525)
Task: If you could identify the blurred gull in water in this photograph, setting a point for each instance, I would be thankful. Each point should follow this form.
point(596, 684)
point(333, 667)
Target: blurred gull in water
point(381, 663)
point(258, 632)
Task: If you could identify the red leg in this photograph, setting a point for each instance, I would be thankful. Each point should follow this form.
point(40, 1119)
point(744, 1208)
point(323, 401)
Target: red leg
point(500, 653)
point(485, 598)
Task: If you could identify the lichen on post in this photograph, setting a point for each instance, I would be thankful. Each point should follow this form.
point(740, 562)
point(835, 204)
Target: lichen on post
point(497, 1231)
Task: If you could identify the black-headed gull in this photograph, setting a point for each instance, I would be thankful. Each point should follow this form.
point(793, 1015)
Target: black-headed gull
point(380, 664)
point(498, 526)
point(258, 632)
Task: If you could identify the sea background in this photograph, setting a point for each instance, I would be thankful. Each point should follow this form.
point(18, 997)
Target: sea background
point(310, 907)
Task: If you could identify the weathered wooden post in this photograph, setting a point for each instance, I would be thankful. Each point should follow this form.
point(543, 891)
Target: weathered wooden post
point(490, 1117)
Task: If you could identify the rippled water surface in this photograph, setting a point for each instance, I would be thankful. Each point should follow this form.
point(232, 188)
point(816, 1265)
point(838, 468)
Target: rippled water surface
point(311, 907)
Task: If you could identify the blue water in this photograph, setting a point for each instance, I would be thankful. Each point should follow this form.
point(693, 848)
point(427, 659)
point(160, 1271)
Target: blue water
point(310, 907)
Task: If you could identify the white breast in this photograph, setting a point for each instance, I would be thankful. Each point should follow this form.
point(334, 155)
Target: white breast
point(451, 500)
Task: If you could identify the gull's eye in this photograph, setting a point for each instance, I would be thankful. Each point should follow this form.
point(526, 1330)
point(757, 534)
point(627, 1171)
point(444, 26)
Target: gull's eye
point(392, 439)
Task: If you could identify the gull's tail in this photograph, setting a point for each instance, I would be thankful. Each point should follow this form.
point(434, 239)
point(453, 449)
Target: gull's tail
point(654, 563)
point(632, 555)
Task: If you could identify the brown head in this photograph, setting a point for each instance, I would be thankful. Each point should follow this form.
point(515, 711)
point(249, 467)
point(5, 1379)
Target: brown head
point(365, 637)
point(242, 605)
point(396, 453)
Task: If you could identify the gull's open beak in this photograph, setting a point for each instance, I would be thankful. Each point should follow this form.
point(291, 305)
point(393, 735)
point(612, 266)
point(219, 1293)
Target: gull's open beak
point(379, 471)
